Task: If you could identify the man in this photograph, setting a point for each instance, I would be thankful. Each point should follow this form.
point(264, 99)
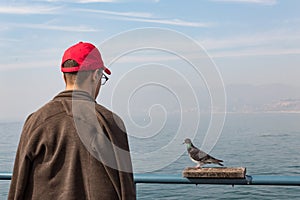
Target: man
point(72, 147)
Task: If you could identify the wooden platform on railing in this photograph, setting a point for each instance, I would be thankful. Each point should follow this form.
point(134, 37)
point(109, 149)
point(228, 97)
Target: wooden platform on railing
point(215, 172)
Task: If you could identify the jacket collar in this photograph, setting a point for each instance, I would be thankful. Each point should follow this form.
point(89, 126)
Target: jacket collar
point(74, 95)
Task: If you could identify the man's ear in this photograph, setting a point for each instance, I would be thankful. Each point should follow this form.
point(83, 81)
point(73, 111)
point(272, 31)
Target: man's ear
point(95, 75)
point(64, 76)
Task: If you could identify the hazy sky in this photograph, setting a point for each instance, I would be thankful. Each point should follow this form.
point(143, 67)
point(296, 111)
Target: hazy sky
point(250, 41)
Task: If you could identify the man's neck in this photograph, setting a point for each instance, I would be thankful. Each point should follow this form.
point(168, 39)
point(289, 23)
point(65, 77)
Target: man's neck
point(75, 87)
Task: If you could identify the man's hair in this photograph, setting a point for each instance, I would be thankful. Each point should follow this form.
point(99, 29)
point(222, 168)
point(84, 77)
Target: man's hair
point(74, 77)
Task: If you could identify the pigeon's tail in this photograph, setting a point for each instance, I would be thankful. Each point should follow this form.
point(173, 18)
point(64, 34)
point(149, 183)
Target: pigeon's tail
point(217, 161)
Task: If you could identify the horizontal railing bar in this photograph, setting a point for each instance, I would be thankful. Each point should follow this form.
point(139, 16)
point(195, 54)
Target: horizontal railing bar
point(5, 176)
point(178, 179)
point(275, 180)
point(248, 180)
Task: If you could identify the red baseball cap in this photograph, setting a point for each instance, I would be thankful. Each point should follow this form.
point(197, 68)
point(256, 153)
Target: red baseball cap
point(86, 55)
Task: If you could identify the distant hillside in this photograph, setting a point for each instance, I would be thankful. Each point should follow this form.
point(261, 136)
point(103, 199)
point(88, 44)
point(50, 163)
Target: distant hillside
point(265, 98)
point(158, 101)
point(287, 105)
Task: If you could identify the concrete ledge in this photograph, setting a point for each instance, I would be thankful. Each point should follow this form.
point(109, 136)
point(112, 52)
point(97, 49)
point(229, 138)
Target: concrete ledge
point(216, 172)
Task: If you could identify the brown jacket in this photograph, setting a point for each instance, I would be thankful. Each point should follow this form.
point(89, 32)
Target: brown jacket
point(61, 156)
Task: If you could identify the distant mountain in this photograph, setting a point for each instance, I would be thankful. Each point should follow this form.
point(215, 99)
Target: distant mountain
point(263, 98)
point(157, 101)
point(285, 105)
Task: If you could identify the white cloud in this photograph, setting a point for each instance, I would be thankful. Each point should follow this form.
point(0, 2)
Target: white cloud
point(145, 17)
point(263, 2)
point(95, 1)
point(9, 40)
point(4, 42)
point(55, 27)
point(256, 52)
point(258, 39)
point(125, 14)
point(276, 42)
point(175, 22)
point(81, 1)
point(22, 10)
point(29, 64)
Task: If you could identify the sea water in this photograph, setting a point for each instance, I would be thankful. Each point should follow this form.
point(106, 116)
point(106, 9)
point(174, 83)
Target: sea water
point(266, 144)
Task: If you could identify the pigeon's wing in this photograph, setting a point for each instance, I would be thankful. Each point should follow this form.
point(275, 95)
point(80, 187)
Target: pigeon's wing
point(197, 154)
point(209, 159)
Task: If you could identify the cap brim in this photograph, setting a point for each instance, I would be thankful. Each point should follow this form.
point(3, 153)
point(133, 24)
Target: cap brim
point(107, 71)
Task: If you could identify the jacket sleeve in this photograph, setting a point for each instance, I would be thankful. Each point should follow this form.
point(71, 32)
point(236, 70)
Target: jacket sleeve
point(124, 161)
point(22, 168)
point(116, 132)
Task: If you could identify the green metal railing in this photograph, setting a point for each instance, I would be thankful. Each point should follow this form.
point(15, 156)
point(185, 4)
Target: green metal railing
point(248, 180)
point(178, 179)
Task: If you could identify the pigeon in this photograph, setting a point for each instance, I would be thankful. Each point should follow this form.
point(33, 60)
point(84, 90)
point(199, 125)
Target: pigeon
point(200, 157)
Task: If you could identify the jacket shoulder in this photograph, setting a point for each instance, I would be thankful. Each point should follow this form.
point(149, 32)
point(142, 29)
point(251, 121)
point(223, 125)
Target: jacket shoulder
point(49, 110)
point(109, 115)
